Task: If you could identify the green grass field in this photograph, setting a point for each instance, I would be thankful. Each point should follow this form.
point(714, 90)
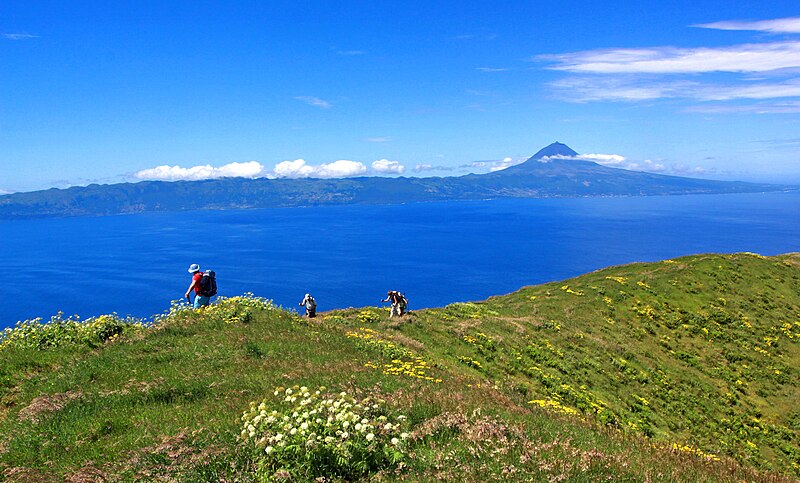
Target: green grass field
point(682, 370)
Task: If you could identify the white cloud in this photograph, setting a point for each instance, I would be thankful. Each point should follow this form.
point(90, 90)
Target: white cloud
point(492, 165)
point(673, 169)
point(632, 89)
point(338, 169)
point(702, 73)
point(252, 169)
point(430, 167)
point(342, 168)
point(648, 165)
point(298, 168)
point(627, 88)
point(685, 170)
point(760, 90)
point(294, 169)
point(350, 52)
point(476, 92)
point(775, 26)
point(379, 139)
point(763, 57)
point(492, 69)
point(777, 107)
point(605, 159)
point(5, 192)
point(19, 36)
point(314, 101)
point(388, 167)
point(484, 35)
point(503, 164)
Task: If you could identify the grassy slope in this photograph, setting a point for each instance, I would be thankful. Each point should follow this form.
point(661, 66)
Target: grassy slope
point(702, 351)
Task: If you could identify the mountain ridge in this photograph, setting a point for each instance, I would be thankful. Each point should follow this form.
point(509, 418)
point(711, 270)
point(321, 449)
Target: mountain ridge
point(558, 177)
point(554, 149)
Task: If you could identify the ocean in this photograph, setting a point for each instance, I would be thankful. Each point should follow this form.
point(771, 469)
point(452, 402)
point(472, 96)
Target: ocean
point(436, 253)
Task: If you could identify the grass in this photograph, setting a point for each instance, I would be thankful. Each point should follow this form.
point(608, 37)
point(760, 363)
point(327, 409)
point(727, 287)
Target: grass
point(682, 370)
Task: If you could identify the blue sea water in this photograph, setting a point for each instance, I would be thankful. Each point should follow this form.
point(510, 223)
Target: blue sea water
point(437, 253)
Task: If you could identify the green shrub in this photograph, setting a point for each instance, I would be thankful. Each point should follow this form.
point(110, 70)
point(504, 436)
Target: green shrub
point(467, 310)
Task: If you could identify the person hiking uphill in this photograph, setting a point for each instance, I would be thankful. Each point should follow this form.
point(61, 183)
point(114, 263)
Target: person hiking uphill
point(204, 286)
point(399, 303)
point(403, 304)
point(311, 306)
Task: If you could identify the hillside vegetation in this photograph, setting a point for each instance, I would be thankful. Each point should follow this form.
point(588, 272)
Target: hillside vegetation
point(681, 370)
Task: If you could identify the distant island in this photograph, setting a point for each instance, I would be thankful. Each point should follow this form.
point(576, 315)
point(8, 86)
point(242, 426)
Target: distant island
point(554, 171)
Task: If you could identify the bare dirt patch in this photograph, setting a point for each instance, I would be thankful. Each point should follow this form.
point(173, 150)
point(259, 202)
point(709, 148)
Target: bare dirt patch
point(171, 456)
point(88, 474)
point(20, 474)
point(49, 403)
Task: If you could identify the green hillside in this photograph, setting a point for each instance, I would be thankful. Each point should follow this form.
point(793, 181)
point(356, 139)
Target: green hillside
point(682, 370)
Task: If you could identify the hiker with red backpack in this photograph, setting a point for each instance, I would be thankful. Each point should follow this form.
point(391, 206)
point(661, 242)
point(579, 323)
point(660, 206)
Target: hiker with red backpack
point(204, 285)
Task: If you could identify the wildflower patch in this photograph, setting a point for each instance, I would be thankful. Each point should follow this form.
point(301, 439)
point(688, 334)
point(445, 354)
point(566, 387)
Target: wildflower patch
point(482, 342)
point(686, 449)
point(470, 362)
point(370, 339)
point(554, 406)
point(403, 361)
point(567, 289)
point(307, 435)
point(416, 368)
point(370, 316)
point(59, 332)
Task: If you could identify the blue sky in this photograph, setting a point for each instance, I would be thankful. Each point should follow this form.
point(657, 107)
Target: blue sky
point(123, 91)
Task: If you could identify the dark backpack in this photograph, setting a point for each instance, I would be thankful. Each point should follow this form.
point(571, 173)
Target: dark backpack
point(208, 284)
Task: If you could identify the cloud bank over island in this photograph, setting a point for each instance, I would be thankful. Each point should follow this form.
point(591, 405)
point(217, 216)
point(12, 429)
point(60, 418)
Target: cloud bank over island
point(252, 169)
point(344, 168)
point(647, 165)
point(298, 168)
point(388, 167)
point(291, 169)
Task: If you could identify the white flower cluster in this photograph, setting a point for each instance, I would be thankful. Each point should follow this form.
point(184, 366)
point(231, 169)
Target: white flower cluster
point(330, 433)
